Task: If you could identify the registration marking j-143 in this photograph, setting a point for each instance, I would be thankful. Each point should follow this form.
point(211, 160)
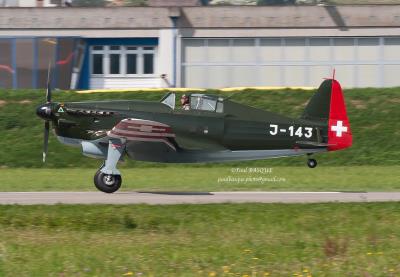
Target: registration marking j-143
point(292, 130)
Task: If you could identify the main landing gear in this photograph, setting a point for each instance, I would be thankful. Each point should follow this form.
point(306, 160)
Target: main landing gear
point(108, 179)
point(312, 163)
point(107, 183)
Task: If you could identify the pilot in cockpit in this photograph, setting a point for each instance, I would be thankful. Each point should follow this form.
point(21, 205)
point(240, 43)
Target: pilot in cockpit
point(185, 102)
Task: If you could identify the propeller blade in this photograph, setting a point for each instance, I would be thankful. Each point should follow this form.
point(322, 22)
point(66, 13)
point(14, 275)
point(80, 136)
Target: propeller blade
point(46, 139)
point(48, 92)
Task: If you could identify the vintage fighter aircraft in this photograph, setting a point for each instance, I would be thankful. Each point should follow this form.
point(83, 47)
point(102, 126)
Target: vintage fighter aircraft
point(212, 129)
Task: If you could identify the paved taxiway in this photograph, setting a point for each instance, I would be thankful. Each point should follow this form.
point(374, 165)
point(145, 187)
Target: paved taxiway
point(49, 198)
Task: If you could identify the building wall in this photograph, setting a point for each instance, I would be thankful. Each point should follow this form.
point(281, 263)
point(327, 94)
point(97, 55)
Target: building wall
point(29, 3)
point(294, 61)
point(215, 46)
point(166, 59)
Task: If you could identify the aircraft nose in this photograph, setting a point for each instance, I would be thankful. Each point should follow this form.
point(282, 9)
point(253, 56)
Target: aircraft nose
point(44, 112)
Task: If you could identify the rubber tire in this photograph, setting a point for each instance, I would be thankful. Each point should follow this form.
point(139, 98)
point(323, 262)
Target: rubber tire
point(312, 163)
point(101, 186)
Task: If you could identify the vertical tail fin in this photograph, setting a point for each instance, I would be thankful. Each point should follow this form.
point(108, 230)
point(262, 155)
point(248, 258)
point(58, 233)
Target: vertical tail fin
point(339, 132)
point(318, 107)
point(327, 106)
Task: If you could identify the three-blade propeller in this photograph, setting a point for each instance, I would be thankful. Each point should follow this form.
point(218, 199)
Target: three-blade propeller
point(46, 139)
point(45, 112)
point(48, 91)
point(47, 123)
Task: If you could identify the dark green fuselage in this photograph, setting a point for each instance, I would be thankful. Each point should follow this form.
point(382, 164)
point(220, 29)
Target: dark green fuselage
point(238, 127)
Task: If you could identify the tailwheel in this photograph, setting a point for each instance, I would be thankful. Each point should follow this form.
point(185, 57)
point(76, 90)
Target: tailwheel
point(107, 183)
point(312, 163)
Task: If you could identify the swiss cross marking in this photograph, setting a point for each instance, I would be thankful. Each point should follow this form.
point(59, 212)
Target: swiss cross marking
point(339, 128)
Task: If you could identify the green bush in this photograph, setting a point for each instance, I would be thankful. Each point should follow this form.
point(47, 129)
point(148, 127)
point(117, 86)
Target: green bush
point(275, 2)
point(89, 3)
point(135, 2)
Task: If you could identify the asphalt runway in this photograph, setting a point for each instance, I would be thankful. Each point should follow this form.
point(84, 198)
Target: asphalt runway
point(166, 198)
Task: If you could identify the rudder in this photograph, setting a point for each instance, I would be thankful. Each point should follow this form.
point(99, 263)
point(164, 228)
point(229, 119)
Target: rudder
point(339, 132)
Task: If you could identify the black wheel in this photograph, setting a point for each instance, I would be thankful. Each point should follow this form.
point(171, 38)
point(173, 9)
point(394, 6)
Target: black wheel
point(107, 183)
point(311, 163)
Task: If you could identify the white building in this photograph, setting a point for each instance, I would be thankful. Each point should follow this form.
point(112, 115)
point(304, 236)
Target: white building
point(208, 46)
point(30, 3)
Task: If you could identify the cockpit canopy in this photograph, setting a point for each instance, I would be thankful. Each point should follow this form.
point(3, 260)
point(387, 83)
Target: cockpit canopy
point(199, 102)
point(204, 102)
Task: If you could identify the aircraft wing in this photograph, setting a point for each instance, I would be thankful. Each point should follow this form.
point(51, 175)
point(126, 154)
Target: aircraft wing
point(142, 132)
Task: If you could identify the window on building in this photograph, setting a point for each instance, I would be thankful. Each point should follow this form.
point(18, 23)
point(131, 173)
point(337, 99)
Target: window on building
point(131, 63)
point(148, 64)
point(97, 64)
point(123, 60)
point(114, 63)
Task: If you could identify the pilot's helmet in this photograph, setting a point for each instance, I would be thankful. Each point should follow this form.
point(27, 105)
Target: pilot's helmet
point(185, 99)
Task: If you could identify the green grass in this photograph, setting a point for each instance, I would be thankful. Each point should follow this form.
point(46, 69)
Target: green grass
point(362, 2)
point(201, 240)
point(373, 113)
point(357, 178)
point(332, 2)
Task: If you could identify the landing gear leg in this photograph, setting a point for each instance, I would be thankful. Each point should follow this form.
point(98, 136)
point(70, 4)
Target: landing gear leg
point(108, 179)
